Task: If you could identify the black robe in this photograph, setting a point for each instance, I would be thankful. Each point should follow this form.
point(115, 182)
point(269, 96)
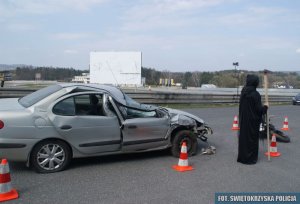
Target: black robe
point(250, 115)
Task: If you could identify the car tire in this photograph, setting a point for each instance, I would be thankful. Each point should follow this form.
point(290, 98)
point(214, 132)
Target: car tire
point(50, 156)
point(191, 142)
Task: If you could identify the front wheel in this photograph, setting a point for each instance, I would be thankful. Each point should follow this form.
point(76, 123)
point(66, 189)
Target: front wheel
point(184, 136)
point(50, 156)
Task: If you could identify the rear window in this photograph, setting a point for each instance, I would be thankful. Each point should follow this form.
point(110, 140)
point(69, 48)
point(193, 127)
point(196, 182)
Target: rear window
point(36, 96)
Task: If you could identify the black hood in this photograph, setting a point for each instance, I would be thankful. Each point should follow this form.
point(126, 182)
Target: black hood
point(252, 80)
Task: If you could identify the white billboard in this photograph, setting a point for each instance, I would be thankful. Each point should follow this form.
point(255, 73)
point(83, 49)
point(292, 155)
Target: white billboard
point(118, 68)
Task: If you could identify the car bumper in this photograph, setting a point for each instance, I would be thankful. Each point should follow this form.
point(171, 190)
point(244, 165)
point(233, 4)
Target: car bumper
point(297, 102)
point(16, 150)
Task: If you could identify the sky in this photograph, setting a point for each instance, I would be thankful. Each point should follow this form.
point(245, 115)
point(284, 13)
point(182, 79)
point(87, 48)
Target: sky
point(173, 35)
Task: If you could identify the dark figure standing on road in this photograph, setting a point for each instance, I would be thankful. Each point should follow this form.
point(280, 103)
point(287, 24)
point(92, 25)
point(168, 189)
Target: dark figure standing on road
point(250, 116)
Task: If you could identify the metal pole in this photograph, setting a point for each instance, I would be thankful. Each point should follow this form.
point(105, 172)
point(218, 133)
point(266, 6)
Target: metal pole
point(267, 114)
point(237, 86)
point(235, 64)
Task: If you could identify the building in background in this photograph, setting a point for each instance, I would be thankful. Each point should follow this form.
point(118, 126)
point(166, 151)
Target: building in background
point(282, 85)
point(166, 82)
point(38, 76)
point(117, 68)
point(208, 86)
point(84, 78)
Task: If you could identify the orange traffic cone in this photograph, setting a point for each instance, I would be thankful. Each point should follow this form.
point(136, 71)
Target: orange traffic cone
point(235, 124)
point(6, 191)
point(183, 164)
point(285, 124)
point(273, 148)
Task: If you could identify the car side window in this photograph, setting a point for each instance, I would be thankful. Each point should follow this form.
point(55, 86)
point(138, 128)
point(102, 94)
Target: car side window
point(82, 103)
point(86, 104)
point(65, 107)
point(89, 104)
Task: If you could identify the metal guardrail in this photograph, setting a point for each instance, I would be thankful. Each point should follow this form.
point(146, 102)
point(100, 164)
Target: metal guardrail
point(14, 92)
point(169, 96)
point(180, 98)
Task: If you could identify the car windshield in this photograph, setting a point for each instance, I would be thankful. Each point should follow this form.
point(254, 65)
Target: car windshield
point(134, 104)
point(130, 102)
point(36, 96)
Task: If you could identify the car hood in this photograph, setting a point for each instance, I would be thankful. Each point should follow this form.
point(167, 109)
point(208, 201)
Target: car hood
point(7, 104)
point(174, 112)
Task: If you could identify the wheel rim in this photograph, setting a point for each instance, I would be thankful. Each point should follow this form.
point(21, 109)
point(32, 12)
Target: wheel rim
point(51, 157)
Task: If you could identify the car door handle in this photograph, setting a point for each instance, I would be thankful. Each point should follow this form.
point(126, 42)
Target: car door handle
point(132, 126)
point(66, 127)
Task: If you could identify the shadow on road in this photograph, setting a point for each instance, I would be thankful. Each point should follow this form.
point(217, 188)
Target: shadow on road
point(108, 159)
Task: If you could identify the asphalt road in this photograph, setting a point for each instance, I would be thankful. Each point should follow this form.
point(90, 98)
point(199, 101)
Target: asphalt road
point(149, 178)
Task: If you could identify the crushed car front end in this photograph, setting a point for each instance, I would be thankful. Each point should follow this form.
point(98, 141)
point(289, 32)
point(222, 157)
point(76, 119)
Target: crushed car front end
point(182, 118)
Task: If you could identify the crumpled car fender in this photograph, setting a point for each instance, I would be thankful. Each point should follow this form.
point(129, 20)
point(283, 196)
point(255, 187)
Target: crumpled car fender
point(174, 112)
point(182, 120)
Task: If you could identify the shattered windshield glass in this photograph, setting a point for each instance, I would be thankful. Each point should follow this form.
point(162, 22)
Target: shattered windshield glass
point(130, 102)
point(134, 104)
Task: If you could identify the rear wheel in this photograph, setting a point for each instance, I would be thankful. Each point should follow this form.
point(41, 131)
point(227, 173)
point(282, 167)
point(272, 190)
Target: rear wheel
point(184, 136)
point(50, 156)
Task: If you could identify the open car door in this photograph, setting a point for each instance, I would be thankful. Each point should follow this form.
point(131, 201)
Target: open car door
point(144, 130)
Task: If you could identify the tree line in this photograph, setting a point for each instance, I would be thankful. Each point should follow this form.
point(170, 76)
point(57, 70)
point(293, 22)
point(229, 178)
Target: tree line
point(225, 78)
point(45, 73)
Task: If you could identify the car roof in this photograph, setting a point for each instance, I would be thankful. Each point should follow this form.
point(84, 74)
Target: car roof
point(114, 91)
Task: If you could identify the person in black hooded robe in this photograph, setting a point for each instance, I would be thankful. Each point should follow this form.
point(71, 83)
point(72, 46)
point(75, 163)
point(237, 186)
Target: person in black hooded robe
point(250, 116)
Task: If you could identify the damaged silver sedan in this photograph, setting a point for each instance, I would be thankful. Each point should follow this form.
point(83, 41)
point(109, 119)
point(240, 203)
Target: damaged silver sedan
point(49, 127)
